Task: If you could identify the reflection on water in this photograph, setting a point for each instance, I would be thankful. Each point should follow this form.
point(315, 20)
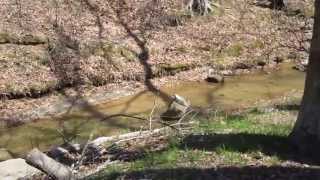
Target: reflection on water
point(235, 92)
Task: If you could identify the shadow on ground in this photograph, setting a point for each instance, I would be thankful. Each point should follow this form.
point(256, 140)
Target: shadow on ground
point(223, 173)
point(241, 142)
point(271, 145)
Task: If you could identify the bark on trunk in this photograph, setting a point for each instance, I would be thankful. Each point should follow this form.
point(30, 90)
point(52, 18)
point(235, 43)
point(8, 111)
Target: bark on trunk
point(306, 132)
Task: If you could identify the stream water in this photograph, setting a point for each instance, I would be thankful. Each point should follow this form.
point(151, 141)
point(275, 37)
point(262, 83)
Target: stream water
point(238, 91)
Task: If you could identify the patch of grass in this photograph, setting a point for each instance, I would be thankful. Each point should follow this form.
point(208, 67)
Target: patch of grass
point(172, 68)
point(221, 56)
point(164, 159)
point(229, 156)
point(217, 10)
point(108, 51)
point(231, 140)
point(244, 123)
point(308, 12)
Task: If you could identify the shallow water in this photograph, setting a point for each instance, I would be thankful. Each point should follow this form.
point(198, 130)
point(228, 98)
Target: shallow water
point(236, 92)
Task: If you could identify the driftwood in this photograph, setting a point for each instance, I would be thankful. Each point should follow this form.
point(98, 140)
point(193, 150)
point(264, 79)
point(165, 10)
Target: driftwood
point(49, 166)
point(135, 135)
point(129, 136)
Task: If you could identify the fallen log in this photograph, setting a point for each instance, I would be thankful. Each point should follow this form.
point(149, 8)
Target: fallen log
point(49, 166)
point(134, 135)
point(139, 134)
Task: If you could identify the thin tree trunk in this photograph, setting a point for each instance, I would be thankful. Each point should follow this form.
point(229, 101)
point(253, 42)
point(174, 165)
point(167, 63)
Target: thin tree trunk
point(306, 132)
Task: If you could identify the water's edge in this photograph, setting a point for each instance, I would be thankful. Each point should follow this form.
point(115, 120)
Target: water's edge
point(237, 91)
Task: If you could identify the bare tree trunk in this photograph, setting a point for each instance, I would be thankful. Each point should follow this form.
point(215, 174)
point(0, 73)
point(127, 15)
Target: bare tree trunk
point(306, 133)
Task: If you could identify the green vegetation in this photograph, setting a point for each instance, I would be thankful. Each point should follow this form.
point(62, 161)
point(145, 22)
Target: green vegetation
point(27, 39)
point(172, 68)
point(232, 140)
point(234, 50)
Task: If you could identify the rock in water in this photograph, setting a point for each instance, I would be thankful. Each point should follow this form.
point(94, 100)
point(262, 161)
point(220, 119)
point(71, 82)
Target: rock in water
point(214, 77)
point(16, 169)
point(177, 108)
point(180, 100)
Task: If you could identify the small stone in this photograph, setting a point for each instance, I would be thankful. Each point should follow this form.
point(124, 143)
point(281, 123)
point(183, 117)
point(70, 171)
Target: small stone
point(227, 73)
point(214, 77)
point(16, 169)
point(177, 108)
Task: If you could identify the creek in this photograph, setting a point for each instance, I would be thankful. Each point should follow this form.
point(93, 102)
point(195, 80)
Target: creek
point(235, 92)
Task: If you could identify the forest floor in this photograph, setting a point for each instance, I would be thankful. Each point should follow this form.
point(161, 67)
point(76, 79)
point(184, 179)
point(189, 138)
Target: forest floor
point(44, 63)
point(244, 145)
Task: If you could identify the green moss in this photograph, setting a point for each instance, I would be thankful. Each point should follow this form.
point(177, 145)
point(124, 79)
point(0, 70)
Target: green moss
point(258, 44)
point(220, 56)
point(308, 11)
point(109, 51)
point(174, 68)
point(217, 10)
point(182, 49)
point(234, 50)
point(7, 38)
point(126, 53)
point(30, 39)
point(4, 38)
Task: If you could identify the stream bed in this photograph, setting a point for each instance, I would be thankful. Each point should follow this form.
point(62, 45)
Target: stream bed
point(77, 126)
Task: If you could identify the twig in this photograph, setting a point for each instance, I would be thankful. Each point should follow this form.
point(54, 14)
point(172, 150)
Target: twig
point(151, 113)
point(80, 161)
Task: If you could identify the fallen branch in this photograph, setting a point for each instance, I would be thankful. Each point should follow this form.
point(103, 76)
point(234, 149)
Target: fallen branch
point(139, 118)
point(49, 166)
point(134, 135)
point(139, 134)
